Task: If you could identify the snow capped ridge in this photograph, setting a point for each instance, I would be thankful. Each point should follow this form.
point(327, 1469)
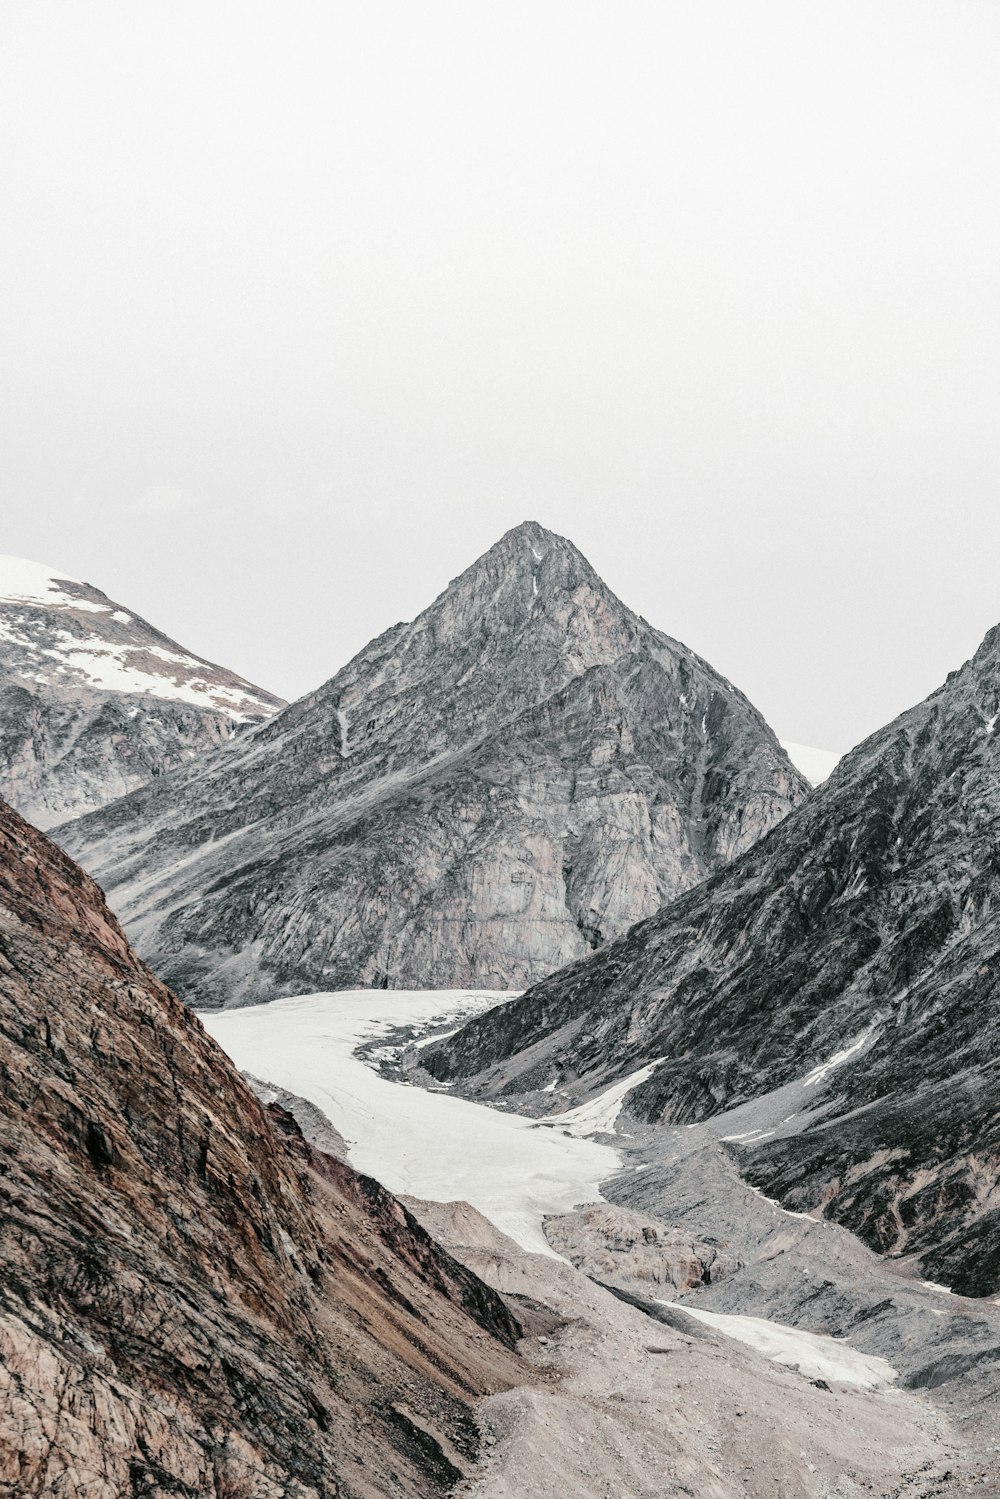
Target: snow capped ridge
point(94, 701)
point(108, 650)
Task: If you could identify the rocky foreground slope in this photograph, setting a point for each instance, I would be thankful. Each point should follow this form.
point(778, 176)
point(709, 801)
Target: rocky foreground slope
point(192, 1300)
point(94, 701)
point(866, 924)
point(482, 795)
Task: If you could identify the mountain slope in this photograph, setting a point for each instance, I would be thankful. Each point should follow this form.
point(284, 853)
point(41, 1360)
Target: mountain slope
point(479, 796)
point(94, 701)
point(192, 1300)
point(869, 919)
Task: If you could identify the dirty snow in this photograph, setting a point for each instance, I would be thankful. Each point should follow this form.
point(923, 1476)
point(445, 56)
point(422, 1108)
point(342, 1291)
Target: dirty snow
point(599, 1115)
point(426, 1144)
point(774, 1203)
point(813, 1354)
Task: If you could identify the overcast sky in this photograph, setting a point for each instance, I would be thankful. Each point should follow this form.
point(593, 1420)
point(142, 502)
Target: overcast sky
point(304, 304)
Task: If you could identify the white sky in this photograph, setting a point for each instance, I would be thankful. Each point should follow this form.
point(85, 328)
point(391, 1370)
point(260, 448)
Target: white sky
point(305, 303)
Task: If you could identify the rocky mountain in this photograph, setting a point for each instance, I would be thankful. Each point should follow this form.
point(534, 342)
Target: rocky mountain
point(193, 1300)
point(863, 932)
point(94, 701)
point(481, 795)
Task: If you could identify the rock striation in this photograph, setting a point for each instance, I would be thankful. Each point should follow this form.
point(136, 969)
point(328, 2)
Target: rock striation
point(863, 932)
point(194, 1301)
point(94, 701)
point(480, 796)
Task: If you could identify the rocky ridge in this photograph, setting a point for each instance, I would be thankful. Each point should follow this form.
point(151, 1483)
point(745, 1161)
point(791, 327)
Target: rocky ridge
point(94, 701)
point(863, 932)
point(193, 1300)
point(482, 795)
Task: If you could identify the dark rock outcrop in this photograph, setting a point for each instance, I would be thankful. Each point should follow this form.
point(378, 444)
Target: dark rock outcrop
point(872, 911)
point(192, 1300)
point(478, 797)
point(94, 701)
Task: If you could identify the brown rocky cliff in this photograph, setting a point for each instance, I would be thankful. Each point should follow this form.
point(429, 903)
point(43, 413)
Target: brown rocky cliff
point(192, 1300)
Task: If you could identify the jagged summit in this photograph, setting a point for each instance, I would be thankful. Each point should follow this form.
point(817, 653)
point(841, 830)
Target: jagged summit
point(534, 538)
point(481, 794)
point(528, 563)
point(94, 700)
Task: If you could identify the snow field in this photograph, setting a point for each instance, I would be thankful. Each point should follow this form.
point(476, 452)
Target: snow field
point(598, 1117)
point(423, 1143)
point(813, 1354)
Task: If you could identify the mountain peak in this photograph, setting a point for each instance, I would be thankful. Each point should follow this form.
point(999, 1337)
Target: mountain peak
point(518, 574)
point(533, 536)
point(481, 794)
point(534, 541)
point(95, 699)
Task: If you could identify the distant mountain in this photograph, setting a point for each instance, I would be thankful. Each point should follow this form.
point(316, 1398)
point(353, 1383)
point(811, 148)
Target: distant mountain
point(866, 927)
point(817, 765)
point(192, 1300)
point(482, 795)
point(94, 701)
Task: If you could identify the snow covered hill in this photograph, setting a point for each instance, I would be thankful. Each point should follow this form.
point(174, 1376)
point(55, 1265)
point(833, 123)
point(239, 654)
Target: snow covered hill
point(94, 701)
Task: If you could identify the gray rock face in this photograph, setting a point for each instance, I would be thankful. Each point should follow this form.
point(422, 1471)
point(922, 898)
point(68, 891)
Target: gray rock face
point(484, 794)
point(869, 920)
point(94, 701)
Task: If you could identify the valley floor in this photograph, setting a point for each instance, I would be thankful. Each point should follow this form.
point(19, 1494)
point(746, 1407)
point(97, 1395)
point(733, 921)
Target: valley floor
point(696, 1338)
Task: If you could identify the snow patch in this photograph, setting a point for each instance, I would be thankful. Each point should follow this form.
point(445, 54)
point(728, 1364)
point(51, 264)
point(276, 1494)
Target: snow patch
point(427, 1144)
point(838, 1059)
point(434, 1036)
point(815, 764)
point(598, 1117)
point(788, 1212)
point(342, 724)
point(813, 1354)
